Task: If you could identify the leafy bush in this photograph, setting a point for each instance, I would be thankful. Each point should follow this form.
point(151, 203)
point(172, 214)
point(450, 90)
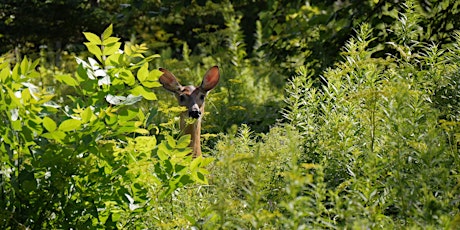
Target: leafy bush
point(91, 162)
point(375, 129)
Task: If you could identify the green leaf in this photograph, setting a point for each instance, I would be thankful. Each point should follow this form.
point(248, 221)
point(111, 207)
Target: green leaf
point(147, 94)
point(94, 49)
point(86, 115)
point(81, 75)
point(4, 74)
point(110, 40)
point(24, 66)
point(69, 125)
point(111, 48)
point(183, 141)
point(107, 32)
point(141, 131)
point(127, 77)
point(49, 124)
point(92, 38)
point(161, 153)
point(152, 80)
point(55, 135)
point(114, 59)
point(16, 73)
point(143, 72)
point(145, 143)
point(171, 142)
point(185, 179)
point(67, 79)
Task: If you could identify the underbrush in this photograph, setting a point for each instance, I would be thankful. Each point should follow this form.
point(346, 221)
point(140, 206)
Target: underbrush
point(373, 145)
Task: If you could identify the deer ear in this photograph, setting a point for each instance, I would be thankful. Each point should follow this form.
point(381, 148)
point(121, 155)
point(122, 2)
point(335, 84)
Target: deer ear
point(210, 79)
point(170, 82)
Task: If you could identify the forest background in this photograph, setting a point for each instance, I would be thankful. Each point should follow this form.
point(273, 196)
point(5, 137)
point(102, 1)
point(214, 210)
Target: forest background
point(329, 114)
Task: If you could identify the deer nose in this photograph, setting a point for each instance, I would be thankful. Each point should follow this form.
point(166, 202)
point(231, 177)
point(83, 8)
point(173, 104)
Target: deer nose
point(194, 114)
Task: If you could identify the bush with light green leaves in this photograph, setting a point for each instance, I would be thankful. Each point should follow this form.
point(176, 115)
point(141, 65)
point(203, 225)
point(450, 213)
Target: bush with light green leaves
point(93, 162)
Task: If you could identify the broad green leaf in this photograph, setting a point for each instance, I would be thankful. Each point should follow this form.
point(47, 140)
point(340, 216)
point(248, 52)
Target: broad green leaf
point(145, 143)
point(4, 74)
point(183, 152)
point(195, 163)
point(143, 72)
point(127, 76)
point(69, 125)
point(92, 38)
point(127, 49)
point(67, 79)
point(180, 169)
point(163, 151)
point(171, 142)
point(185, 179)
point(16, 125)
point(49, 124)
point(183, 141)
point(107, 32)
point(114, 59)
point(110, 40)
point(111, 48)
point(152, 80)
point(86, 115)
point(55, 135)
point(147, 94)
point(200, 177)
point(94, 49)
point(82, 74)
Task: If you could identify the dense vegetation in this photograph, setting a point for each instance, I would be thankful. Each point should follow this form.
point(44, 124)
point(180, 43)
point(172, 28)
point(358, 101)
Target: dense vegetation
point(328, 115)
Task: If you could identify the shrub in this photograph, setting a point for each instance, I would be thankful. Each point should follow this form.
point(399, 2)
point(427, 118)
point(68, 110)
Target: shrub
point(375, 130)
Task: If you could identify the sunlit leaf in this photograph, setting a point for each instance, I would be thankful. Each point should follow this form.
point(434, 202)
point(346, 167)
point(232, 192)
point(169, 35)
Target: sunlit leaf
point(86, 115)
point(152, 80)
point(107, 32)
point(69, 125)
point(67, 79)
point(143, 72)
point(183, 141)
point(111, 48)
point(49, 124)
point(92, 38)
point(94, 49)
point(145, 143)
point(147, 94)
point(171, 142)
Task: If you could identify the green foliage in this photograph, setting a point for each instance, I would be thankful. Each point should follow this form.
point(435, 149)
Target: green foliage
point(370, 141)
point(89, 163)
point(374, 129)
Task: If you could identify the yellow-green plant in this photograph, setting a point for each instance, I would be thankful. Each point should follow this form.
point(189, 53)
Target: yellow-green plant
point(91, 163)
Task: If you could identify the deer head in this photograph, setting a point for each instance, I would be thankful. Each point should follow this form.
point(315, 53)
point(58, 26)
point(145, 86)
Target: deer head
point(191, 97)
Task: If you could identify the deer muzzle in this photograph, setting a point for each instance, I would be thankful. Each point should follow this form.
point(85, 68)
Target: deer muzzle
point(194, 112)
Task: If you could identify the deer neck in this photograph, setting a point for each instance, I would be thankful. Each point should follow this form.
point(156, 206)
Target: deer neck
point(194, 130)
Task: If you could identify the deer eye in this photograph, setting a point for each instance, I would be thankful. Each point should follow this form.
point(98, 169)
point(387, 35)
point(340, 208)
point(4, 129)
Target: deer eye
point(202, 97)
point(182, 98)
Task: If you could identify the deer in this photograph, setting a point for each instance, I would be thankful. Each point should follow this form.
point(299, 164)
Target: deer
point(191, 97)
